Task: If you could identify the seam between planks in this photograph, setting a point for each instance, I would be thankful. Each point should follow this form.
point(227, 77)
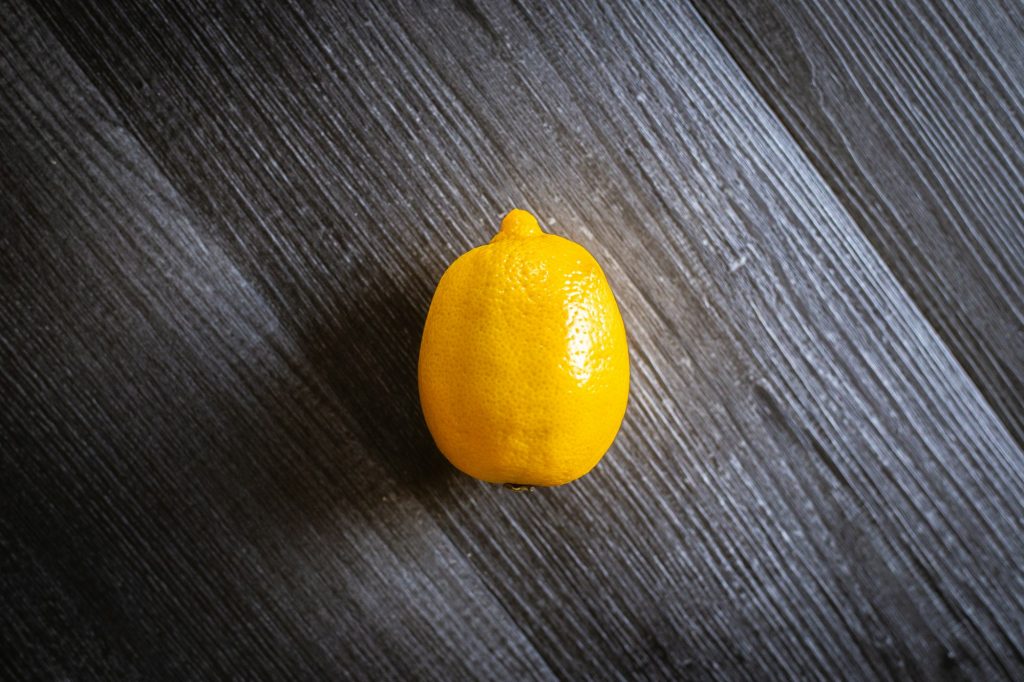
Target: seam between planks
point(831, 188)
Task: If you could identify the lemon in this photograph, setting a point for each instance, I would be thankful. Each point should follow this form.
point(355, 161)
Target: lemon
point(523, 367)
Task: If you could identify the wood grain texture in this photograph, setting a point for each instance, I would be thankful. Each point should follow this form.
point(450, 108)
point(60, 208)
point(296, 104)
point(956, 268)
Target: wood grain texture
point(222, 230)
point(913, 112)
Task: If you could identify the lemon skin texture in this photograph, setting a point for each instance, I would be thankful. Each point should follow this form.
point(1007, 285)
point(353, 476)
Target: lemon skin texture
point(524, 366)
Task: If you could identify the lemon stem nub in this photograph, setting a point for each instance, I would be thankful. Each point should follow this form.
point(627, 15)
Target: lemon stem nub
point(518, 223)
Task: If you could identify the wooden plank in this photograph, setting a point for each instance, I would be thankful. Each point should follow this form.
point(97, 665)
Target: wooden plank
point(154, 527)
point(914, 114)
point(216, 450)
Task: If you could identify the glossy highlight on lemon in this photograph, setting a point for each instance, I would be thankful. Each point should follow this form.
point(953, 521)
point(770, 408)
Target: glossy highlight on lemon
point(524, 367)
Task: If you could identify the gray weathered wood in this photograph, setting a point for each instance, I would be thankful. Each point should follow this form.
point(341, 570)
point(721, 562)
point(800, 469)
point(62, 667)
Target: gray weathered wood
point(222, 230)
point(914, 114)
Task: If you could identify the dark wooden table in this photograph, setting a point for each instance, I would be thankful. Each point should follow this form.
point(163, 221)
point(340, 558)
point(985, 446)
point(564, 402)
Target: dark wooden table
point(222, 225)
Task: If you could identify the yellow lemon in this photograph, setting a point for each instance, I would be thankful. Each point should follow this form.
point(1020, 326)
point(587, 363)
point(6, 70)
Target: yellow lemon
point(524, 368)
